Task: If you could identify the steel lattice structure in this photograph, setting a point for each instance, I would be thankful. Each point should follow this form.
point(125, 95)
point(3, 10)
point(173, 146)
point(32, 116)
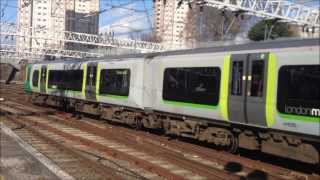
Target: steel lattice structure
point(82, 38)
point(280, 9)
point(9, 54)
point(11, 49)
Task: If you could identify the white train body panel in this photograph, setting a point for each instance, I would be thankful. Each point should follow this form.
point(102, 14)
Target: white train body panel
point(159, 64)
point(296, 56)
point(135, 97)
point(66, 93)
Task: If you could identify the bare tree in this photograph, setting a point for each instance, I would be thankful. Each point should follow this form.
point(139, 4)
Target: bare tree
point(210, 24)
point(150, 37)
point(145, 36)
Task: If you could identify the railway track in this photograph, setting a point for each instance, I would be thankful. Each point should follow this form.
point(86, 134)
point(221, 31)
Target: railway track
point(80, 138)
point(138, 155)
point(220, 160)
point(68, 159)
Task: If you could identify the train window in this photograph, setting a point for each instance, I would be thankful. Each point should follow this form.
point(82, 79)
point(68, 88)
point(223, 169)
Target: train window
point(257, 74)
point(66, 79)
point(237, 73)
point(115, 82)
point(35, 78)
point(199, 85)
point(299, 90)
point(74, 79)
point(55, 78)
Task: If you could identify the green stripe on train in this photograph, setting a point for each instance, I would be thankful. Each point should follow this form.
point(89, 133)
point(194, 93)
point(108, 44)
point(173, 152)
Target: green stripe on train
point(114, 96)
point(98, 82)
point(27, 86)
point(271, 90)
point(177, 103)
point(299, 117)
point(84, 81)
point(47, 79)
point(224, 89)
point(39, 79)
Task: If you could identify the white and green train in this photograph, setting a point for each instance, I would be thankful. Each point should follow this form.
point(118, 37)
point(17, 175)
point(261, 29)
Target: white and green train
point(259, 96)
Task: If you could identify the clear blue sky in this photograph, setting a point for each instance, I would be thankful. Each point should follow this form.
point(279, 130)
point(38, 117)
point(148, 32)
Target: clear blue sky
point(8, 10)
point(126, 15)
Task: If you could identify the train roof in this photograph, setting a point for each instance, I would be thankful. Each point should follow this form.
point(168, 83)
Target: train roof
point(272, 44)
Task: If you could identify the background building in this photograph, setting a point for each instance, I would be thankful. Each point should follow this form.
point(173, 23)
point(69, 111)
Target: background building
point(169, 22)
point(184, 27)
point(305, 32)
point(44, 18)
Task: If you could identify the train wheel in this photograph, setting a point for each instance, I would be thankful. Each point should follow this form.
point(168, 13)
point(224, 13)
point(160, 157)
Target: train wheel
point(138, 123)
point(234, 143)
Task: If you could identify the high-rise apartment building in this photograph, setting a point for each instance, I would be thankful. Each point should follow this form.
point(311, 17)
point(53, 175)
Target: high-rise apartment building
point(304, 32)
point(44, 18)
point(170, 21)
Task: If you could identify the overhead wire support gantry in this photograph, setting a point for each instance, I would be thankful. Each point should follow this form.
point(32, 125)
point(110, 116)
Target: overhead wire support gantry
point(11, 51)
point(82, 38)
point(283, 10)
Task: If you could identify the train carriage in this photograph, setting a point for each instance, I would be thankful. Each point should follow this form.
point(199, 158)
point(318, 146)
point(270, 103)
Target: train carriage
point(253, 87)
point(259, 96)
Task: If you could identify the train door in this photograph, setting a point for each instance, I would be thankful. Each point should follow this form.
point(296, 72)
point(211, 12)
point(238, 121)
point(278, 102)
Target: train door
point(43, 79)
point(91, 81)
point(247, 92)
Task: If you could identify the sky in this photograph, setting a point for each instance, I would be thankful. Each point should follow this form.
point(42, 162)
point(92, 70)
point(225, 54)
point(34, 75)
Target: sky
point(122, 16)
point(133, 15)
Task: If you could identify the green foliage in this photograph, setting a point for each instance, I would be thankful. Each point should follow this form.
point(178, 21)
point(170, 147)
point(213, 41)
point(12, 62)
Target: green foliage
point(279, 29)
